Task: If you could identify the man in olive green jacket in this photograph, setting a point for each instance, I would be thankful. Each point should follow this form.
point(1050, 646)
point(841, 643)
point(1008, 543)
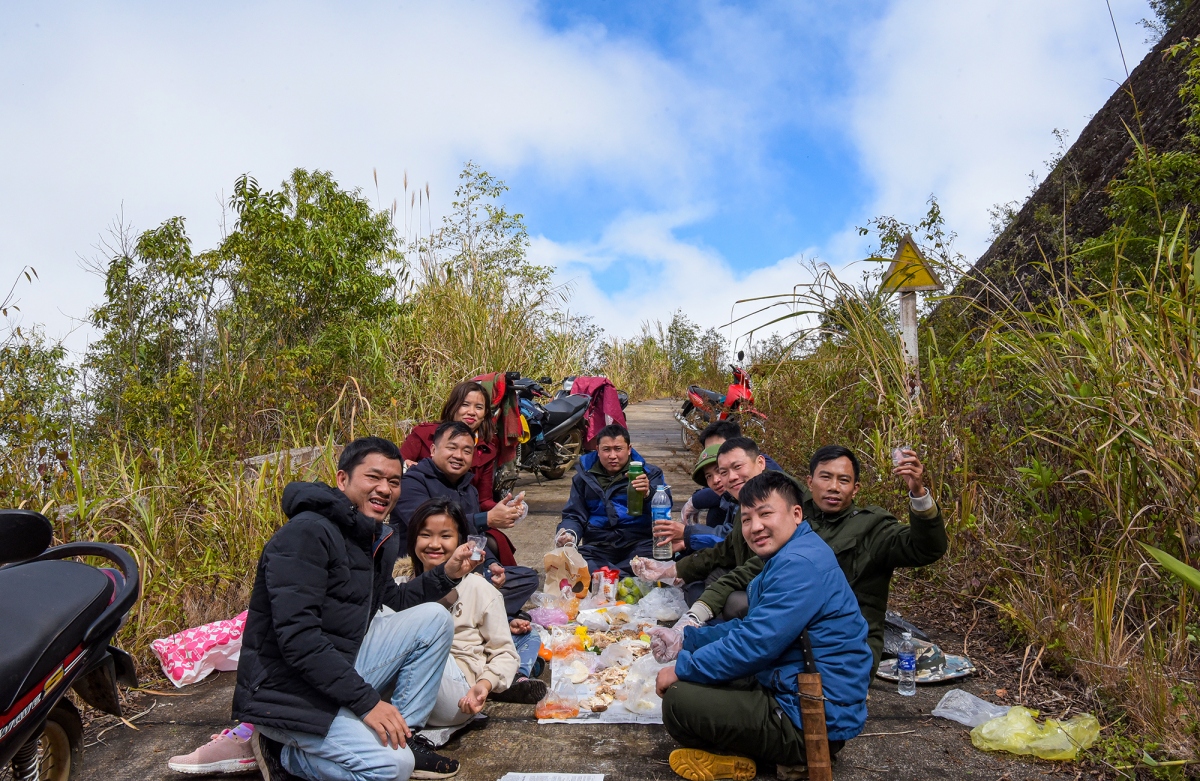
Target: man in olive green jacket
point(869, 542)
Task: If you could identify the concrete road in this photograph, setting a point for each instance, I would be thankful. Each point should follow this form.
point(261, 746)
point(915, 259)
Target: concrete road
point(901, 740)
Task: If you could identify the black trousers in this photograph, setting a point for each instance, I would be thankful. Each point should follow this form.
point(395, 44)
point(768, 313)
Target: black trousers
point(739, 717)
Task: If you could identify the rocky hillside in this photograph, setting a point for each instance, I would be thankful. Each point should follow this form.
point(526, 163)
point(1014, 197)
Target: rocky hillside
point(1072, 199)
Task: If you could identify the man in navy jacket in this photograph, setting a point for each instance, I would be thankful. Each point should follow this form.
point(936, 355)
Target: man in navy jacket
point(596, 517)
point(733, 687)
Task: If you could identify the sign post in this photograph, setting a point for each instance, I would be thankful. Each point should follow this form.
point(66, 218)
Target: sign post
point(908, 274)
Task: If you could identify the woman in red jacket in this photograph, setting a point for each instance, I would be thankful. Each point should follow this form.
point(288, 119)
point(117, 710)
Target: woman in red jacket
point(469, 404)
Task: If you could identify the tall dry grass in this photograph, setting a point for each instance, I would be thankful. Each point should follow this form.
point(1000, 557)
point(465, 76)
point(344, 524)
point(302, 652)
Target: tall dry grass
point(1055, 440)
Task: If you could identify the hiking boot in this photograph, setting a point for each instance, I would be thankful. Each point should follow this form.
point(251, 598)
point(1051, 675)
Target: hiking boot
point(266, 751)
point(428, 763)
point(528, 691)
point(226, 753)
point(696, 765)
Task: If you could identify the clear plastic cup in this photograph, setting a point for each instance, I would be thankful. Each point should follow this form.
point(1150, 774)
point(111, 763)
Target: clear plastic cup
point(898, 454)
point(478, 543)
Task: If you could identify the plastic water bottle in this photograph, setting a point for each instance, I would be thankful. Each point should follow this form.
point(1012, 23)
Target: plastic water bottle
point(660, 510)
point(906, 667)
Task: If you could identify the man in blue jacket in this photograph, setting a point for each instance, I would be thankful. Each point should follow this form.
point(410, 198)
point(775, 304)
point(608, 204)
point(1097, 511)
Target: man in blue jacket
point(733, 687)
point(596, 517)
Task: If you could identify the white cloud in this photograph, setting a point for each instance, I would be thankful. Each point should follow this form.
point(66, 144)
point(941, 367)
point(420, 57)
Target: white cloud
point(665, 275)
point(158, 111)
point(959, 99)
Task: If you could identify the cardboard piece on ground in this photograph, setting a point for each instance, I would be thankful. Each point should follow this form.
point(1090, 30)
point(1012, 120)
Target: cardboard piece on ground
point(552, 777)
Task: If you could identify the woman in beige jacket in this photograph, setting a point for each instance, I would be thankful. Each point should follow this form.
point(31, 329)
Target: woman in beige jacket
point(483, 659)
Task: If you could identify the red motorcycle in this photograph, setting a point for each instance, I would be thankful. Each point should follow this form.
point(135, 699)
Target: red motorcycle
point(702, 406)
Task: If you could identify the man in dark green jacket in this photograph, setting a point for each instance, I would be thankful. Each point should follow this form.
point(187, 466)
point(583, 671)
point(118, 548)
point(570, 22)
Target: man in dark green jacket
point(869, 542)
point(739, 460)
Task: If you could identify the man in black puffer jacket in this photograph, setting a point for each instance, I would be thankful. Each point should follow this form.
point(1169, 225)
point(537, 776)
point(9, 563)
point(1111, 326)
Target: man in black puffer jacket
point(316, 653)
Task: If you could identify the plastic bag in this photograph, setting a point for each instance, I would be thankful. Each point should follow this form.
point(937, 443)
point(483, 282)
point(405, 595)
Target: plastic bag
point(619, 615)
point(190, 655)
point(640, 687)
point(1018, 732)
point(548, 616)
point(557, 705)
point(574, 666)
point(662, 604)
point(966, 708)
point(564, 642)
point(616, 655)
point(567, 570)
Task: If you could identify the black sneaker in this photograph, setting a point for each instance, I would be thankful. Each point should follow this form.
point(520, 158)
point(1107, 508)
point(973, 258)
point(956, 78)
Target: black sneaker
point(430, 764)
point(538, 667)
point(528, 691)
point(266, 751)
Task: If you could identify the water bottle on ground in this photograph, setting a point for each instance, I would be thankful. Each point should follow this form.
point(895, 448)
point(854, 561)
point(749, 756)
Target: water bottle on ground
point(660, 510)
point(633, 497)
point(906, 667)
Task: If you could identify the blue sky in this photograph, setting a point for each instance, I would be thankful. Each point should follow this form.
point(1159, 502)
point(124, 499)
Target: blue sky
point(666, 155)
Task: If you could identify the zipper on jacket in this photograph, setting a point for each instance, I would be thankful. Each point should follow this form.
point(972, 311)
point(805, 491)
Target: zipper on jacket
point(387, 533)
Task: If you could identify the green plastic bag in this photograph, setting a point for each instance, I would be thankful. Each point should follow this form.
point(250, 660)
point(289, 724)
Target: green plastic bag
point(1019, 732)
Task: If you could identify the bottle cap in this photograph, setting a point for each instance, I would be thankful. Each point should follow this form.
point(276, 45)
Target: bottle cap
point(635, 463)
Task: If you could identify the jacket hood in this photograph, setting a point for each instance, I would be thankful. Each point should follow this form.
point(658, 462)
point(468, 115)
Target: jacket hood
point(427, 469)
point(318, 498)
point(330, 503)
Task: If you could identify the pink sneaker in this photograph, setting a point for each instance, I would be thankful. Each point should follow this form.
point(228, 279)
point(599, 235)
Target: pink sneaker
point(225, 753)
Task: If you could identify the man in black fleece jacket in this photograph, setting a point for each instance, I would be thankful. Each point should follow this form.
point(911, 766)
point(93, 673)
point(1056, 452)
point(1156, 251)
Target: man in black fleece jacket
point(316, 653)
point(446, 474)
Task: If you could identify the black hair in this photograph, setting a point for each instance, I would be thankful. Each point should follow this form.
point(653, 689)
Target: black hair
point(458, 395)
point(436, 506)
point(452, 428)
point(354, 453)
point(739, 443)
point(725, 429)
point(832, 453)
point(762, 485)
point(612, 431)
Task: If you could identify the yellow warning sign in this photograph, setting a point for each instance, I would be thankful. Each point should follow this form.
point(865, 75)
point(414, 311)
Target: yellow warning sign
point(909, 270)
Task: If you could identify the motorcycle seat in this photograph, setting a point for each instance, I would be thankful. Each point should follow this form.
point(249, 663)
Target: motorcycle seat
point(559, 410)
point(47, 608)
point(712, 396)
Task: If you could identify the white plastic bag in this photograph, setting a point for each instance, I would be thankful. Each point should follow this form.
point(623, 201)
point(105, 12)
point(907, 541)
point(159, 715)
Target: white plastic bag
point(640, 687)
point(662, 604)
point(966, 708)
point(616, 655)
point(190, 655)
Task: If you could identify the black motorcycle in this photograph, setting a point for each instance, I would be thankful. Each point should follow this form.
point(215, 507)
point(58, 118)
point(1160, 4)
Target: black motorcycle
point(557, 428)
point(58, 617)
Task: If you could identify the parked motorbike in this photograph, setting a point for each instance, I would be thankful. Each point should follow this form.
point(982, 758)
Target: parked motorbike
point(557, 428)
point(702, 406)
point(59, 616)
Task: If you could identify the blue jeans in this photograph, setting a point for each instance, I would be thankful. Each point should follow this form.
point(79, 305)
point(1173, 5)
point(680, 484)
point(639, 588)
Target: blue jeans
point(528, 646)
point(407, 650)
